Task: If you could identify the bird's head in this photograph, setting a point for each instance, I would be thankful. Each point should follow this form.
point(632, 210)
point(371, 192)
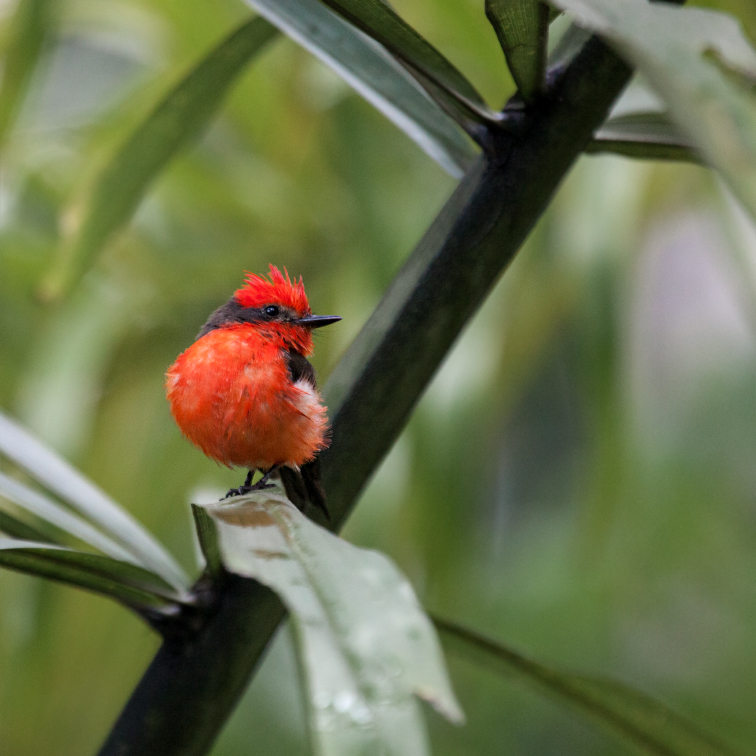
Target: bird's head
point(276, 305)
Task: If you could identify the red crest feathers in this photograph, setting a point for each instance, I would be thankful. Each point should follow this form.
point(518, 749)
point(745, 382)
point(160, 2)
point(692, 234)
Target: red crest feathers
point(259, 291)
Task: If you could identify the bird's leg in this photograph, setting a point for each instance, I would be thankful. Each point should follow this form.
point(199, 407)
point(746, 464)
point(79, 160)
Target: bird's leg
point(245, 488)
point(263, 482)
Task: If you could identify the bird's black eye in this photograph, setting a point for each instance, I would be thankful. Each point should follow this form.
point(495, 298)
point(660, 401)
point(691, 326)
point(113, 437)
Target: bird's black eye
point(271, 311)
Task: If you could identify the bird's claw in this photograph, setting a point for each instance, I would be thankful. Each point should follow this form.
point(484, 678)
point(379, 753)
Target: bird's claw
point(237, 491)
point(261, 485)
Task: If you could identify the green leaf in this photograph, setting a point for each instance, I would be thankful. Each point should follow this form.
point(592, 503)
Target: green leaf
point(650, 135)
point(635, 715)
point(48, 510)
point(522, 27)
point(366, 645)
point(207, 535)
point(122, 581)
point(178, 120)
point(26, 39)
point(702, 66)
point(376, 75)
point(18, 529)
point(61, 478)
point(451, 90)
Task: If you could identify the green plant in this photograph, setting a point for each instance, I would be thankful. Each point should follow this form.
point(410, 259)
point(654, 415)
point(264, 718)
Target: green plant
point(697, 62)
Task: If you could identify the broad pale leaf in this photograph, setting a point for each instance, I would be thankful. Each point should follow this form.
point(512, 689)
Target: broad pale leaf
point(649, 723)
point(522, 28)
point(61, 478)
point(376, 75)
point(650, 135)
point(367, 646)
point(119, 580)
point(701, 65)
point(178, 120)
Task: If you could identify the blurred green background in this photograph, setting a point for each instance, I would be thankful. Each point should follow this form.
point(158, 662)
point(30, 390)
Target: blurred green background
point(579, 479)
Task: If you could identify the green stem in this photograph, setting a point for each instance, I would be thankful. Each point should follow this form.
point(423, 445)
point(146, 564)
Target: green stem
point(651, 725)
point(193, 683)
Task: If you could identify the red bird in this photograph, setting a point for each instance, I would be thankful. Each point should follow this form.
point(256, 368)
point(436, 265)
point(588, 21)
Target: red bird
point(244, 392)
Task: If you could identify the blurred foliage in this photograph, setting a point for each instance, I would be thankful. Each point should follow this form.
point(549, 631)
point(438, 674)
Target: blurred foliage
point(579, 478)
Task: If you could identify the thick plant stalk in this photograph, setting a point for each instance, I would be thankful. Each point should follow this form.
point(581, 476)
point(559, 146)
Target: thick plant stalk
point(195, 680)
point(472, 241)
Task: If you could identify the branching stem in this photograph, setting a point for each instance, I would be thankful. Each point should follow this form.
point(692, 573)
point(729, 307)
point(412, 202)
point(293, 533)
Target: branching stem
point(194, 682)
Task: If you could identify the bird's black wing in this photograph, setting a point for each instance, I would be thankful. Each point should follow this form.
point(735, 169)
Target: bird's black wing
point(304, 486)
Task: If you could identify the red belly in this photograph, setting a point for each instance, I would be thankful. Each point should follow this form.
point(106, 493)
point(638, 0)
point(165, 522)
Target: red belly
point(232, 396)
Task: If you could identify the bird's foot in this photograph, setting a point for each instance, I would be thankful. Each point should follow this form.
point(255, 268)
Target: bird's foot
point(261, 485)
point(243, 489)
point(247, 487)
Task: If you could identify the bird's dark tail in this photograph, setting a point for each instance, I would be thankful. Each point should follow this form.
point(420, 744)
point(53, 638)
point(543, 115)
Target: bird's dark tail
point(304, 487)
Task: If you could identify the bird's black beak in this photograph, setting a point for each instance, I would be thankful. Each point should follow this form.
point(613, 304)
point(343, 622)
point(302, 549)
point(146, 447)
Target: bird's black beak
point(317, 321)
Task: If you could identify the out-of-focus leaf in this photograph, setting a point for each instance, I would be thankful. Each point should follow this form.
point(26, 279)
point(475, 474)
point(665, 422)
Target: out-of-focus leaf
point(179, 119)
point(48, 510)
point(522, 27)
point(119, 580)
point(376, 75)
point(568, 46)
point(61, 478)
point(450, 88)
point(701, 65)
point(649, 136)
point(18, 529)
point(207, 535)
point(366, 645)
point(26, 40)
point(637, 716)
point(636, 99)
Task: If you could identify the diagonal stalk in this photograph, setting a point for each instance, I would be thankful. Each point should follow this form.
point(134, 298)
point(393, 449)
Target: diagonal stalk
point(196, 678)
point(628, 712)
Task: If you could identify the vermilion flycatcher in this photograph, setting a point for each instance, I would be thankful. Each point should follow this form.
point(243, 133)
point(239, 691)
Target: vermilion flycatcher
point(244, 392)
